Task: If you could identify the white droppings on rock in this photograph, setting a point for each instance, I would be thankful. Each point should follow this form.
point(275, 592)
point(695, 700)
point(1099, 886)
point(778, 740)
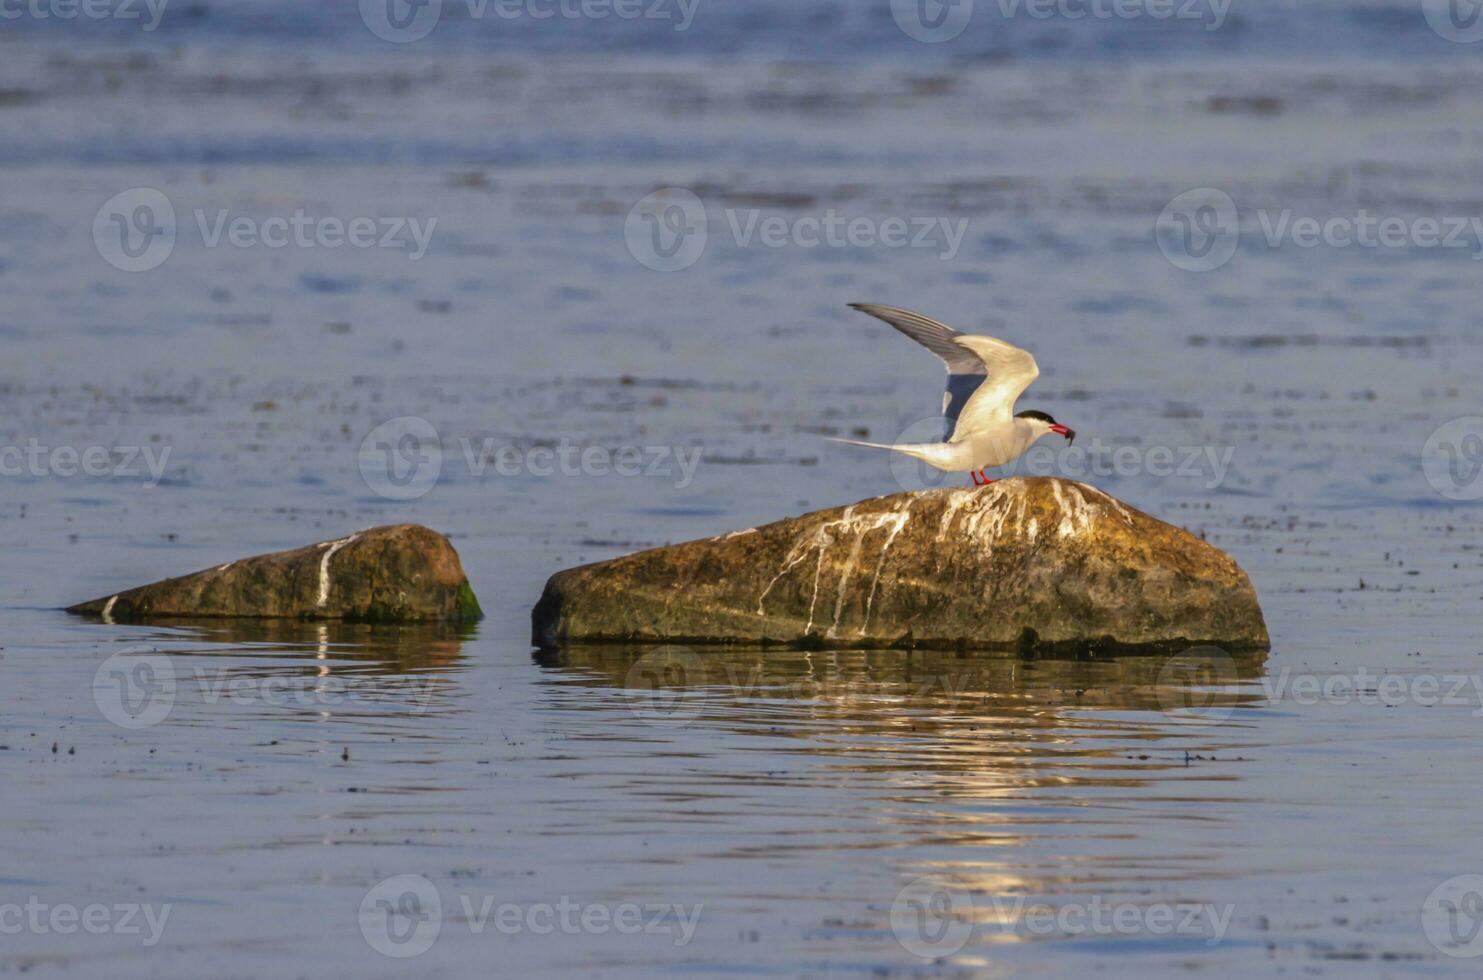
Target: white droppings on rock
point(817, 542)
point(844, 580)
point(824, 542)
point(1117, 505)
point(330, 547)
point(979, 518)
point(987, 523)
point(736, 534)
point(898, 522)
point(954, 506)
point(222, 568)
point(794, 557)
point(1077, 513)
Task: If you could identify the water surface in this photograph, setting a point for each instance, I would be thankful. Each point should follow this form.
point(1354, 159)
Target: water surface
point(794, 797)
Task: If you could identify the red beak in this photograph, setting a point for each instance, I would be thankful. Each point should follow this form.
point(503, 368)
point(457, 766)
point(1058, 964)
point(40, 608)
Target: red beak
point(1061, 430)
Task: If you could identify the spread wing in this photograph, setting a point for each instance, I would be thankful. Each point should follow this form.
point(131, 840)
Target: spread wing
point(966, 371)
point(1010, 372)
point(986, 376)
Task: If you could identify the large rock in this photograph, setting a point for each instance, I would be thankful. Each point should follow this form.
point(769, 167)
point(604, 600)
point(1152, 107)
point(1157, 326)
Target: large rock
point(1026, 562)
point(403, 573)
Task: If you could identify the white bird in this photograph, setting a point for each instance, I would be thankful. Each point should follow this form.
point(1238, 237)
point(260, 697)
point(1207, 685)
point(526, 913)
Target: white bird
point(985, 377)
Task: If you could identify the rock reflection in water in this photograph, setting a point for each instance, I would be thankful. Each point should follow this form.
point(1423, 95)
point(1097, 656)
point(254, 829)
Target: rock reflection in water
point(1198, 684)
point(978, 775)
point(379, 649)
point(201, 671)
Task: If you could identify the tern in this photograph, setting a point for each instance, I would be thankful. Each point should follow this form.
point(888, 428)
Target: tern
point(985, 377)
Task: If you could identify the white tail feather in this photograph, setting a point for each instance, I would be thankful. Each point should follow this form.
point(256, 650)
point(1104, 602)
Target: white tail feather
point(867, 445)
point(943, 455)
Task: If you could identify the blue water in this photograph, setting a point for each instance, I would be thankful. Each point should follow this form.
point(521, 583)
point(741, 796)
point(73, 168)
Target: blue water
point(795, 796)
point(825, 30)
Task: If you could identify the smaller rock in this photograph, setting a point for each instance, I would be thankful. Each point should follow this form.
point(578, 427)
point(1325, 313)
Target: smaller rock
point(403, 573)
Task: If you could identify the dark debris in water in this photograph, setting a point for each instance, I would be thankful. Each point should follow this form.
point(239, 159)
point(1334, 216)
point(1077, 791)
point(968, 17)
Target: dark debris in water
point(1258, 341)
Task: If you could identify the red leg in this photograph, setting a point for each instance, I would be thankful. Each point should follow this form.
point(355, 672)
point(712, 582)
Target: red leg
point(985, 475)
